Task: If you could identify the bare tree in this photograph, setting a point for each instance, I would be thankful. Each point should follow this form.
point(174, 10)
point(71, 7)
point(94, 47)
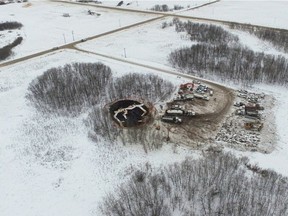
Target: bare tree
point(69, 89)
point(218, 184)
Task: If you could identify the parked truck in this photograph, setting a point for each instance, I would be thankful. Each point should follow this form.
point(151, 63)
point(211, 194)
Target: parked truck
point(201, 96)
point(173, 112)
point(171, 119)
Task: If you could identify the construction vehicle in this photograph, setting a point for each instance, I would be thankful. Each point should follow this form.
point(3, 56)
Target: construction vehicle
point(188, 96)
point(177, 107)
point(171, 119)
point(187, 86)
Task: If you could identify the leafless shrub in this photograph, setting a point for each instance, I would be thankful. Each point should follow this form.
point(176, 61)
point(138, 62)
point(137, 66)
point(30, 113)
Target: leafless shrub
point(162, 8)
point(205, 33)
point(218, 184)
point(6, 51)
point(67, 90)
point(147, 87)
point(178, 7)
point(102, 125)
point(10, 25)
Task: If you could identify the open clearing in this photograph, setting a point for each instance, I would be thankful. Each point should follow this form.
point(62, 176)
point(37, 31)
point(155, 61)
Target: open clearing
point(269, 13)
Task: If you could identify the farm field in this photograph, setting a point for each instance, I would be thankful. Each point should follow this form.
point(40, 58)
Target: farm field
point(269, 13)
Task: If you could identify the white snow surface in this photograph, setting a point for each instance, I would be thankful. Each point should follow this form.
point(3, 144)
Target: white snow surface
point(147, 5)
point(45, 27)
point(152, 44)
point(148, 43)
point(266, 13)
point(49, 166)
point(70, 174)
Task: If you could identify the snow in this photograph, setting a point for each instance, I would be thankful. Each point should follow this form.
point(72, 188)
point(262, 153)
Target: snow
point(147, 5)
point(141, 43)
point(256, 44)
point(45, 27)
point(48, 165)
point(265, 13)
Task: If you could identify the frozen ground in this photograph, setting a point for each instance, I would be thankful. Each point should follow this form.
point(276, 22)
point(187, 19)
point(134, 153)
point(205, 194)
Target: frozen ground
point(49, 166)
point(143, 44)
point(147, 5)
point(149, 43)
point(266, 13)
point(45, 27)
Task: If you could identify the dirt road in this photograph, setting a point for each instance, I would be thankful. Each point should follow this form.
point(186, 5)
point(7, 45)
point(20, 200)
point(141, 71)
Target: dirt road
point(203, 127)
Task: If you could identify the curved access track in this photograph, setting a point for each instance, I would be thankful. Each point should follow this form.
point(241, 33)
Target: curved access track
point(202, 127)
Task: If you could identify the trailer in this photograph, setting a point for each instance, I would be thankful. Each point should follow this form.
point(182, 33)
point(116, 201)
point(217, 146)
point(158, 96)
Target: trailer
point(253, 114)
point(174, 112)
point(171, 119)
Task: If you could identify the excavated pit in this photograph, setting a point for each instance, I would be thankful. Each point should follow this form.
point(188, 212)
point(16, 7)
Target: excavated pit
point(129, 113)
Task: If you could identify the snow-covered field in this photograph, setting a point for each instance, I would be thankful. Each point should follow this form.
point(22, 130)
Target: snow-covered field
point(266, 13)
point(147, 5)
point(49, 166)
point(143, 44)
point(45, 27)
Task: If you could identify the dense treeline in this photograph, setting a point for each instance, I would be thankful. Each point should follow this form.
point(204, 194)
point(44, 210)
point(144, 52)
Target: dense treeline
point(205, 33)
point(104, 128)
point(147, 88)
point(231, 63)
point(279, 38)
point(144, 86)
point(10, 25)
point(220, 55)
point(6, 51)
point(69, 89)
point(218, 184)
